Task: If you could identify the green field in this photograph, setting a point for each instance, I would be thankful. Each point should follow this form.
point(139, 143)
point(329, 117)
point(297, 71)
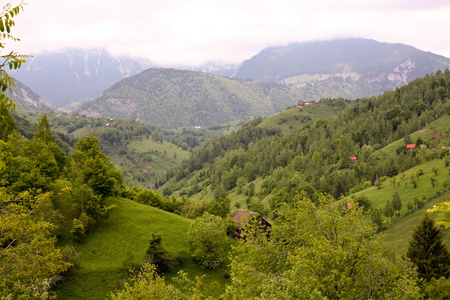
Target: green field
point(296, 117)
point(397, 236)
point(103, 252)
point(405, 188)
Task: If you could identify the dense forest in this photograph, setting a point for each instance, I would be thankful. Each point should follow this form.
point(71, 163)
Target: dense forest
point(318, 157)
point(53, 196)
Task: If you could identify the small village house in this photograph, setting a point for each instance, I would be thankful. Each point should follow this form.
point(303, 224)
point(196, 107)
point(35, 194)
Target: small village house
point(243, 217)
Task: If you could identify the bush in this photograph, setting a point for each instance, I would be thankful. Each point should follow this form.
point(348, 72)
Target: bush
point(208, 240)
point(78, 230)
point(438, 289)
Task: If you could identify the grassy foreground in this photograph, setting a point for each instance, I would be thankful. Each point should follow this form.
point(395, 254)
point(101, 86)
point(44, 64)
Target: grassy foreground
point(125, 234)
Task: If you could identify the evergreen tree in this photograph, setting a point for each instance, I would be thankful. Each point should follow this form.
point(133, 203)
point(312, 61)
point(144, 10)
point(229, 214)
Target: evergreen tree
point(157, 254)
point(389, 210)
point(427, 251)
point(43, 131)
point(376, 217)
point(397, 203)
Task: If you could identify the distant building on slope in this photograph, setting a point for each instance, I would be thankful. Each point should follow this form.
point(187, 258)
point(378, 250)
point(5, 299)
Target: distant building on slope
point(243, 217)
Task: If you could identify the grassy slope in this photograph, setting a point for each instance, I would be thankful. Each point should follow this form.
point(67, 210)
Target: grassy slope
point(405, 188)
point(163, 156)
point(396, 237)
point(398, 234)
point(103, 252)
point(292, 118)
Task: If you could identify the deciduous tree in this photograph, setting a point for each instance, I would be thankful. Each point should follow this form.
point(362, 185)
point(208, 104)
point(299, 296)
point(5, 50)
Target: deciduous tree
point(28, 256)
point(208, 239)
point(397, 203)
point(94, 176)
point(318, 251)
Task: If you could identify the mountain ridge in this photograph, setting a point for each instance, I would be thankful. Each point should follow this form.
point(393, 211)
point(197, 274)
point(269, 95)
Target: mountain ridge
point(353, 63)
point(171, 98)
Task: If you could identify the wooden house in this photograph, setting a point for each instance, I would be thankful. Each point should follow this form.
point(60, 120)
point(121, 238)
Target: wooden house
point(243, 217)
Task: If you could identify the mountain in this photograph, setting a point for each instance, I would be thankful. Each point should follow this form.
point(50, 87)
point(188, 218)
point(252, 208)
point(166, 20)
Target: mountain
point(26, 98)
point(76, 74)
point(349, 68)
point(215, 67)
point(171, 98)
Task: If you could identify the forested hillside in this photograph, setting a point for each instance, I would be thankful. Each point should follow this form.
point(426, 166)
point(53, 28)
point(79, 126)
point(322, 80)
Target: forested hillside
point(171, 98)
point(142, 153)
point(336, 156)
point(319, 183)
point(276, 172)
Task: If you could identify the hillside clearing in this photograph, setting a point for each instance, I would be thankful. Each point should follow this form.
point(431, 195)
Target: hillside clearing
point(125, 234)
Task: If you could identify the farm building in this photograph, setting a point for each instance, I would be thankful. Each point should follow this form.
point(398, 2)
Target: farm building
point(243, 217)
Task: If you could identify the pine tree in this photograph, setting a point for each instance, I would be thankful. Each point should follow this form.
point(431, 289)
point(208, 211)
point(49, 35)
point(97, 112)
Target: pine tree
point(376, 217)
point(43, 131)
point(397, 203)
point(427, 251)
point(389, 210)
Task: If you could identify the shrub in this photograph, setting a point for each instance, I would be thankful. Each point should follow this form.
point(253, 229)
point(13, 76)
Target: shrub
point(78, 230)
point(208, 240)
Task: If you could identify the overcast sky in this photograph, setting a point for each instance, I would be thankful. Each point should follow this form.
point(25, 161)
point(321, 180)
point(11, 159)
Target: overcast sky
point(174, 32)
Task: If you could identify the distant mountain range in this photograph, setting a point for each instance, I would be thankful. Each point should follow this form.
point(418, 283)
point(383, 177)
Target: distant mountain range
point(171, 98)
point(349, 68)
point(76, 74)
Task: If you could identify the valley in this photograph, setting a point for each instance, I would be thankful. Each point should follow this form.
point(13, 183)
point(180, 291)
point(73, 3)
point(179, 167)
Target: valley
point(133, 193)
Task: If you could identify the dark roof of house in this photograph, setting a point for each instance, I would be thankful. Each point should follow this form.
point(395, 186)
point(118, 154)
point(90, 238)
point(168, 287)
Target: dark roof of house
point(243, 217)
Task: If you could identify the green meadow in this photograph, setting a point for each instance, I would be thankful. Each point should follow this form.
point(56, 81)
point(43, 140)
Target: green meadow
point(124, 237)
point(423, 190)
point(293, 118)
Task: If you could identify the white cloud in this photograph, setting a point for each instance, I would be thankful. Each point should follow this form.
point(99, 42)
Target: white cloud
point(195, 31)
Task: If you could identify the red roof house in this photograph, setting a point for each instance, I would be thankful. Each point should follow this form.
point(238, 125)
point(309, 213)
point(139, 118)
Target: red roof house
point(353, 158)
point(411, 146)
